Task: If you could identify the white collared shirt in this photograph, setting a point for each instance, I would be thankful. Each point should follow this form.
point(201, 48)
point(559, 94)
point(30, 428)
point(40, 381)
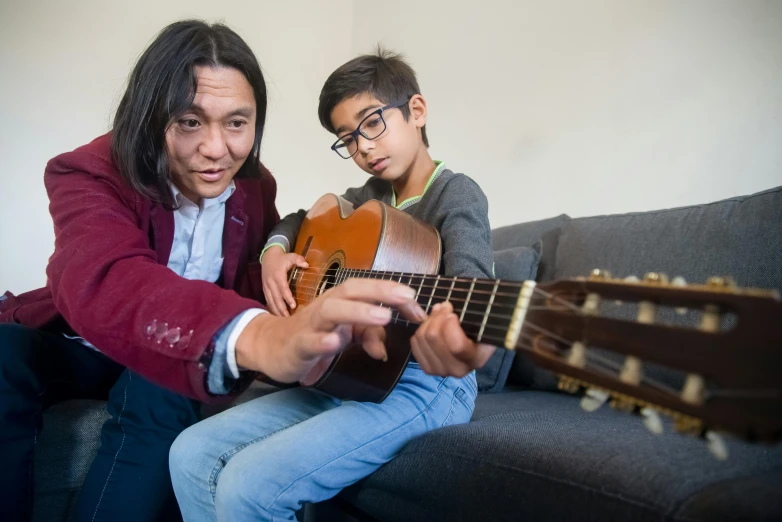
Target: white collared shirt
point(197, 250)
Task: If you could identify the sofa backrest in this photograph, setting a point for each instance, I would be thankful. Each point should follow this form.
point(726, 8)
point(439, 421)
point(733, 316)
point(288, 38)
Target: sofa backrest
point(740, 237)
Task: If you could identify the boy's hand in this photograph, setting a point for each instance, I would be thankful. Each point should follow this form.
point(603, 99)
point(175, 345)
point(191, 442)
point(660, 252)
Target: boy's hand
point(441, 348)
point(276, 264)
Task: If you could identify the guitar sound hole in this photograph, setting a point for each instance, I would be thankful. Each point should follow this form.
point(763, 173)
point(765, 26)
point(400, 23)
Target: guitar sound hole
point(329, 278)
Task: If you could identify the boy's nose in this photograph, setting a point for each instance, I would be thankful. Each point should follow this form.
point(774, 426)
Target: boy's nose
point(365, 145)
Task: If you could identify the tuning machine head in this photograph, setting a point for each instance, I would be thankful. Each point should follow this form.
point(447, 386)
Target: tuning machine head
point(598, 274)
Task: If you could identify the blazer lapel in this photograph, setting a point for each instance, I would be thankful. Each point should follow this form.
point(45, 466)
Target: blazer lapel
point(163, 232)
point(234, 235)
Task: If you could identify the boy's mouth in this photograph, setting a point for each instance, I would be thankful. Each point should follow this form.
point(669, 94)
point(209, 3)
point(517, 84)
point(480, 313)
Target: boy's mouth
point(378, 164)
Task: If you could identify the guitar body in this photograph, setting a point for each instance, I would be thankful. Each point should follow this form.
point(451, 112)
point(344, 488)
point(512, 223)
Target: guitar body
point(373, 237)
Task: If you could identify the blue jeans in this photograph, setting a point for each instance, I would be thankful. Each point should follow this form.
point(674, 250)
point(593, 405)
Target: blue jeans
point(261, 460)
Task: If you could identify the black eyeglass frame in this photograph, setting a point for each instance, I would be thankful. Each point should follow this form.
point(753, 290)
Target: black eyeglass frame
point(357, 132)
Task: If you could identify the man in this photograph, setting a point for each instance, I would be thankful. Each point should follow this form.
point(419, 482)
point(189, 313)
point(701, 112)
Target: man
point(154, 289)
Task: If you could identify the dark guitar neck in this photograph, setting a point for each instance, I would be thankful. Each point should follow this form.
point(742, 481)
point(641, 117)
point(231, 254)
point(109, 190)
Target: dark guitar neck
point(485, 307)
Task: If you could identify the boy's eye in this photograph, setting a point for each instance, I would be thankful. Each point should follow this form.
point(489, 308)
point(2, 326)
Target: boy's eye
point(237, 124)
point(346, 141)
point(372, 122)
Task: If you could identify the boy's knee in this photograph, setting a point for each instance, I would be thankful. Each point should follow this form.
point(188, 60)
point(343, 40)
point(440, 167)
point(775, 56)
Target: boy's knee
point(182, 450)
point(236, 495)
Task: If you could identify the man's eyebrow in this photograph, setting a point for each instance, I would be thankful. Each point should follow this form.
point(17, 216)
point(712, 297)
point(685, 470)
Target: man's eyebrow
point(241, 111)
point(359, 115)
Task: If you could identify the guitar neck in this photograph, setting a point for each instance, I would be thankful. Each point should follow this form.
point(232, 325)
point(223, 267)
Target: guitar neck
point(489, 310)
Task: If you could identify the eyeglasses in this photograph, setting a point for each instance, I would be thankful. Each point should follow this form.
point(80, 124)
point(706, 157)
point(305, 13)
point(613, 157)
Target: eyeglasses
point(371, 127)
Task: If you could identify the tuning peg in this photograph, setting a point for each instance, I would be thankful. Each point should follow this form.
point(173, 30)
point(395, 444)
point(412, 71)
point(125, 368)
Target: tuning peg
point(568, 385)
point(721, 281)
point(632, 279)
point(624, 404)
point(688, 425)
point(591, 304)
point(679, 281)
point(577, 355)
point(656, 277)
point(717, 445)
point(599, 274)
point(652, 420)
point(593, 399)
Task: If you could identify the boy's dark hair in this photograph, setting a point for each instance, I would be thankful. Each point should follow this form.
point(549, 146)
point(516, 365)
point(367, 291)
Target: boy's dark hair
point(162, 87)
point(384, 74)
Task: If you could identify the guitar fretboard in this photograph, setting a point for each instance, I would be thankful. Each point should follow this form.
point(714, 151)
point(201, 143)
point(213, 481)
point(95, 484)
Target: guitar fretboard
point(485, 307)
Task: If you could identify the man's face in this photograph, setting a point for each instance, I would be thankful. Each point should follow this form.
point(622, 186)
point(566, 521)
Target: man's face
point(390, 155)
point(210, 142)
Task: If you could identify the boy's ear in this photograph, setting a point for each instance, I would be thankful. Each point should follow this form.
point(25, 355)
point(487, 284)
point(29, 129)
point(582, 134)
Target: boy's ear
point(417, 106)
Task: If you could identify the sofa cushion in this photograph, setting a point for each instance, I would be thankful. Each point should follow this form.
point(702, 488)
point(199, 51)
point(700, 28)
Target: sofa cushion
point(741, 237)
point(537, 456)
point(527, 234)
point(512, 264)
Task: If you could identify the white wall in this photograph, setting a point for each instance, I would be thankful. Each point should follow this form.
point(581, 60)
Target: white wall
point(599, 106)
point(566, 106)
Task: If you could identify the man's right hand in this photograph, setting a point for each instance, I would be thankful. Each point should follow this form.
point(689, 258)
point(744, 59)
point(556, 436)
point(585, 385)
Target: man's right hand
point(276, 264)
point(287, 348)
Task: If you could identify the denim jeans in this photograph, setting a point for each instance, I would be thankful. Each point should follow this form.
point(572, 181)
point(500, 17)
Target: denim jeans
point(129, 479)
point(261, 460)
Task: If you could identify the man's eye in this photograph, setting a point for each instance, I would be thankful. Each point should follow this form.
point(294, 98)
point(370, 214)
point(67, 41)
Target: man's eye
point(237, 124)
point(189, 123)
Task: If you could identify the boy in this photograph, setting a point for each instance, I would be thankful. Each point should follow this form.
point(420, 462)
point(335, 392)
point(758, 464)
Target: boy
point(262, 459)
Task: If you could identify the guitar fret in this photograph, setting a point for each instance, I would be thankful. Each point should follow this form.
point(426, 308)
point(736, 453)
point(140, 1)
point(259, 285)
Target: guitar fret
point(434, 287)
point(488, 310)
point(467, 300)
point(453, 282)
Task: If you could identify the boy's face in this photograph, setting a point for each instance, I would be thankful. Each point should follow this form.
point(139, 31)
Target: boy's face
point(390, 155)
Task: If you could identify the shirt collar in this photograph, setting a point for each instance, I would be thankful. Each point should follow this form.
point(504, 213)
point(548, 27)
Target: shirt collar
point(206, 202)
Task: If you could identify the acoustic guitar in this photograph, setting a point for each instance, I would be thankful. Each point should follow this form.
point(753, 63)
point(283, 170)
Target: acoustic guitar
point(601, 335)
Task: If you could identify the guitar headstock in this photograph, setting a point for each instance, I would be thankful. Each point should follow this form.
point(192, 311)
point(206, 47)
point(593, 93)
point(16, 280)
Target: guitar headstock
point(708, 355)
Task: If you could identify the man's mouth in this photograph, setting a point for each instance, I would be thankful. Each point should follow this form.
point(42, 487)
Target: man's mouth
point(212, 174)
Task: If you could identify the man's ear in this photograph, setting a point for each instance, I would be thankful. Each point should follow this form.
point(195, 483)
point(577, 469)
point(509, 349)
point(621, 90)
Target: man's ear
point(417, 105)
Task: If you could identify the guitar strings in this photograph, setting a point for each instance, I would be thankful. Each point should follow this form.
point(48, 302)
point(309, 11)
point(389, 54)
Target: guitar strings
point(611, 368)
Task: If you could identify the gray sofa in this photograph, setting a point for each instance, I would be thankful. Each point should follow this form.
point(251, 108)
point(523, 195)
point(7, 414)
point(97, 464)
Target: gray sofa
point(530, 452)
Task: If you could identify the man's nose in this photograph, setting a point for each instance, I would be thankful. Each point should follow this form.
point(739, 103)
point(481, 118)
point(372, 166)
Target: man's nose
point(214, 146)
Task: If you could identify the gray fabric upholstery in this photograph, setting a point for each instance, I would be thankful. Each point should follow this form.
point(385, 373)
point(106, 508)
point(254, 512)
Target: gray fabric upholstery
point(512, 264)
point(527, 234)
point(537, 456)
point(64, 453)
point(740, 236)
